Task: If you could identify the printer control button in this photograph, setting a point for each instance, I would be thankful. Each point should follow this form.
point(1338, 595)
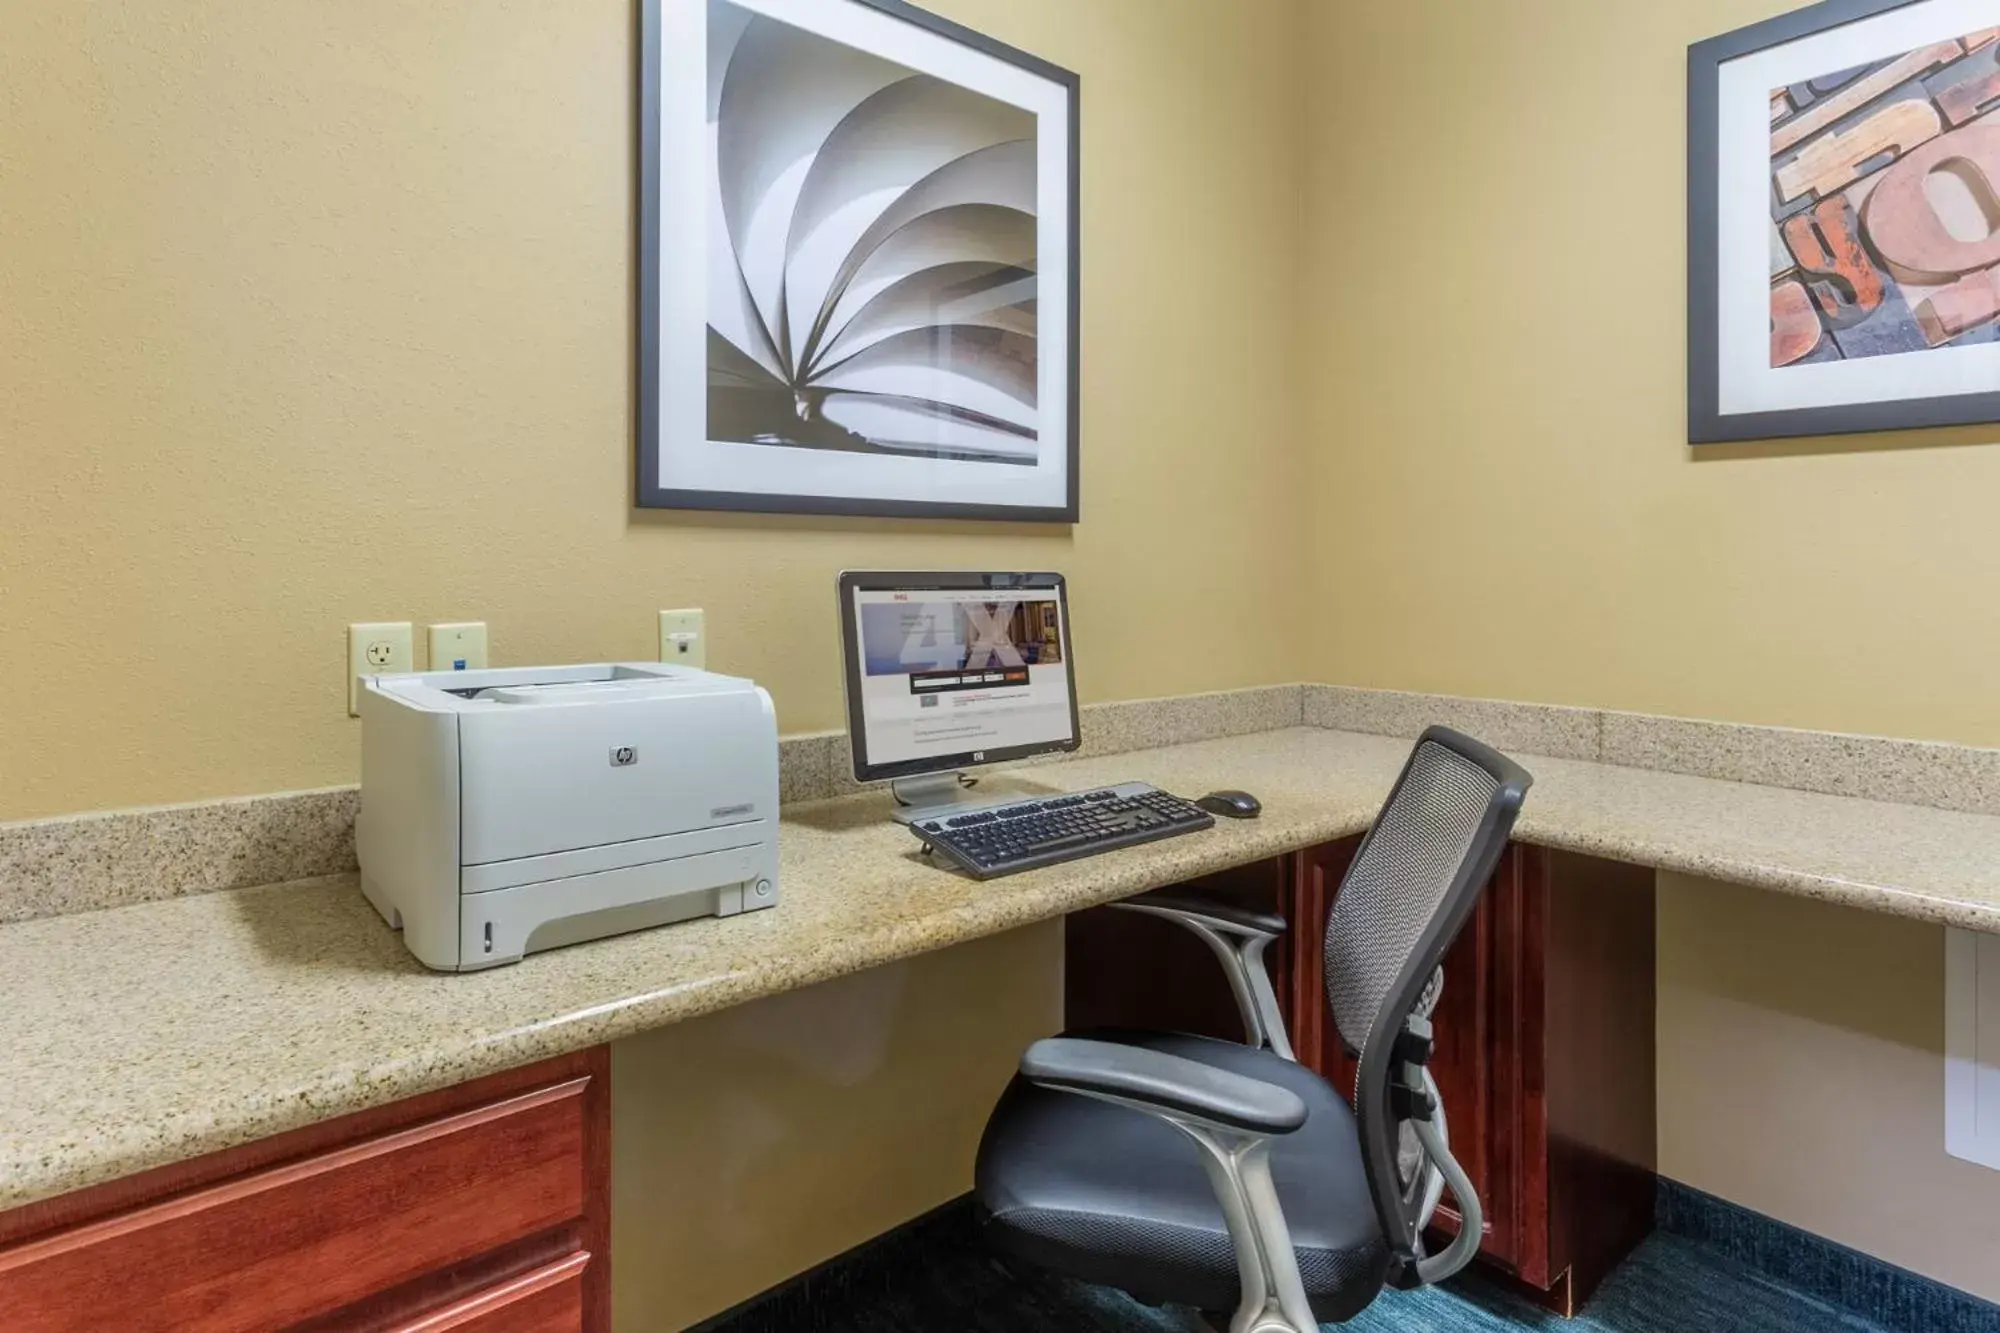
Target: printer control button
point(763, 888)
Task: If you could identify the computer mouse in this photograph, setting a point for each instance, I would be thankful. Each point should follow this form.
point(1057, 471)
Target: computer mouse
point(1231, 804)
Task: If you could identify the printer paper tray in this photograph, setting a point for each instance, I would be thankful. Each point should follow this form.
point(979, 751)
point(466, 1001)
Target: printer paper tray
point(500, 925)
point(492, 875)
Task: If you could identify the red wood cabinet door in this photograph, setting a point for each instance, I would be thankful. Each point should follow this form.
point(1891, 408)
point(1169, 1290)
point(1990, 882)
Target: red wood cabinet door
point(1479, 1064)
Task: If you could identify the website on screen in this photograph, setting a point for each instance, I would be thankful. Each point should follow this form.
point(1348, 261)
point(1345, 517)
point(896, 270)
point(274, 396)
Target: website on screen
point(951, 671)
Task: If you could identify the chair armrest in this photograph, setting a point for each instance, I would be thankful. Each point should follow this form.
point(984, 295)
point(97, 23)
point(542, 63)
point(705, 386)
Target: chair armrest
point(1170, 1083)
point(1237, 937)
point(1211, 912)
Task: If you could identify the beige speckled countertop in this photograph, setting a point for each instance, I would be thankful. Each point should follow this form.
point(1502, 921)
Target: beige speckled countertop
point(141, 1035)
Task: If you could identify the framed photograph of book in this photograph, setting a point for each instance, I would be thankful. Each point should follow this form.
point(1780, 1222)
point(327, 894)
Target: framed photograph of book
point(857, 264)
point(1844, 221)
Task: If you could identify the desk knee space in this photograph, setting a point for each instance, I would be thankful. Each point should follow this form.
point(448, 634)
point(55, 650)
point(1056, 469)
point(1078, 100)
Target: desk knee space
point(1545, 1038)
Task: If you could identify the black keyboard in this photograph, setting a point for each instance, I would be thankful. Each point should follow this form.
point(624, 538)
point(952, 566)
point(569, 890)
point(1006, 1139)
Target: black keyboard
point(1020, 835)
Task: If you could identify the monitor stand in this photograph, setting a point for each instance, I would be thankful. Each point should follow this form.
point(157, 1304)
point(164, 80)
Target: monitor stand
point(928, 793)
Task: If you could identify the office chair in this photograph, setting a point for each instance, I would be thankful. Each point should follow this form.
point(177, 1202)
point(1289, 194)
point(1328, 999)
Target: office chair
point(1191, 1171)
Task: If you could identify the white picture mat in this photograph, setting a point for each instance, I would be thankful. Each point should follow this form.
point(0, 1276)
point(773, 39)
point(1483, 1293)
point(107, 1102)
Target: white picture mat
point(689, 461)
point(1746, 381)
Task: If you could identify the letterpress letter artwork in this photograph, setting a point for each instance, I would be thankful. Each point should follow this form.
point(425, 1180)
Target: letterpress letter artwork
point(1885, 205)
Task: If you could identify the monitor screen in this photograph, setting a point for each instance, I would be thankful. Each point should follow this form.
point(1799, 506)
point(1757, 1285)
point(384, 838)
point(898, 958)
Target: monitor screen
point(949, 670)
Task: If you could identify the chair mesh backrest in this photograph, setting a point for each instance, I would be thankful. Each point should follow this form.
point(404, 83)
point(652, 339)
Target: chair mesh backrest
point(1397, 881)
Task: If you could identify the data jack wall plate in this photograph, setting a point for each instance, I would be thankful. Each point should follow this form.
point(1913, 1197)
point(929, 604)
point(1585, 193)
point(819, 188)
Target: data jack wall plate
point(683, 641)
point(459, 646)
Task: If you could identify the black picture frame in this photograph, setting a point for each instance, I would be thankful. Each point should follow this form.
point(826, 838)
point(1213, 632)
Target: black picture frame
point(1706, 424)
point(879, 580)
point(647, 387)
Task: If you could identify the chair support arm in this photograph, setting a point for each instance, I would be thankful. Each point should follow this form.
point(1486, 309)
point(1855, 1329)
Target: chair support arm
point(1219, 1111)
point(1237, 937)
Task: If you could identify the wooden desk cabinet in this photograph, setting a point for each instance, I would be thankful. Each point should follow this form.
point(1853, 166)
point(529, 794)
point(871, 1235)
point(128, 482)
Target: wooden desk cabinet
point(1545, 1039)
point(482, 1209)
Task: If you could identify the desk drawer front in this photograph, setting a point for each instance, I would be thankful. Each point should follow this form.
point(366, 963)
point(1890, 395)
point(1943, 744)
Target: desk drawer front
point(548, 1300)
point(299, 1240)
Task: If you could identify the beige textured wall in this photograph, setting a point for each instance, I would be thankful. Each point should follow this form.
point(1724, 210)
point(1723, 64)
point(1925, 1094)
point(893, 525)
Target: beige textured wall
point(1506, 506)
point(1802, 1074)
point(313, 313)
point(755, 1143)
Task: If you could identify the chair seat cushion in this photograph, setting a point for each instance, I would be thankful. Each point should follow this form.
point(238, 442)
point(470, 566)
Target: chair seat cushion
point(1116, 1196)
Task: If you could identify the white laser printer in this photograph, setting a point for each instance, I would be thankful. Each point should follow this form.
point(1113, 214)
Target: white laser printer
point(509, 810)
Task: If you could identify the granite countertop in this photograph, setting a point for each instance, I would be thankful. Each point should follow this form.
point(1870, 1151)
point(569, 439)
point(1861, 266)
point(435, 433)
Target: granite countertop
point(142, 1035)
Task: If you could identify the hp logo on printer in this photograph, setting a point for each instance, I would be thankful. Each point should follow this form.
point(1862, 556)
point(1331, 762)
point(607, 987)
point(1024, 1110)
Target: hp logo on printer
point(624, 756)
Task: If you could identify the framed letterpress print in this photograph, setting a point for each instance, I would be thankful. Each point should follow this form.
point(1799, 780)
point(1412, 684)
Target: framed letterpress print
point(1844, 221)
point(857, 264)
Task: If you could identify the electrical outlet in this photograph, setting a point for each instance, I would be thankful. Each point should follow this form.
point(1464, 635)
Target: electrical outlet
point(682, 641)
point(373, 649)
point(458, 647)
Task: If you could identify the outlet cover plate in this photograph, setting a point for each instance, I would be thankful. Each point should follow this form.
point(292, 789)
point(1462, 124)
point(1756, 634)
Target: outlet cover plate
point(374, 648)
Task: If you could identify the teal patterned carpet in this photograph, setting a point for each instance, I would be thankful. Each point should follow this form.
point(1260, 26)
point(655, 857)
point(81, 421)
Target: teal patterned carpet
point(937, 1277)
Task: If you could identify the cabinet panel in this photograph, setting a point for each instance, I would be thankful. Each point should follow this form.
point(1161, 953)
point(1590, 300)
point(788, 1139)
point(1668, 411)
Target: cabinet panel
point(1600, 1131)
point(1492, 1063)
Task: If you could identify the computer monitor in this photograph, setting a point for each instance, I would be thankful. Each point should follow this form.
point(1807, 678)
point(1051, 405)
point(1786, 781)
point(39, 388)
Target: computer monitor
point(945, 671)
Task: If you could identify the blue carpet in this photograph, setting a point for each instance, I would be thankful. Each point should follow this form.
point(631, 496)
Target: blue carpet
point(937, 1276)
point(1893, 1297)
point(1669, 1285)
